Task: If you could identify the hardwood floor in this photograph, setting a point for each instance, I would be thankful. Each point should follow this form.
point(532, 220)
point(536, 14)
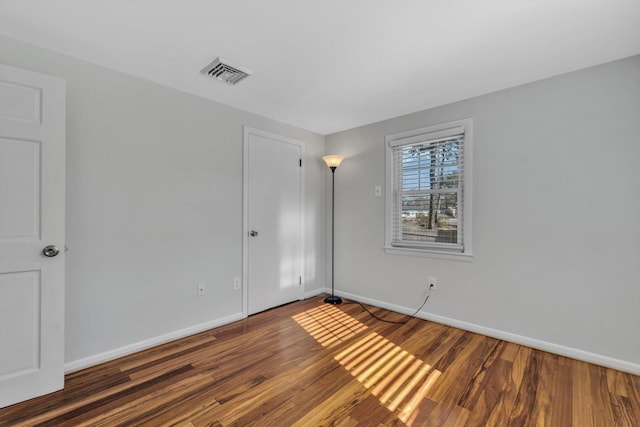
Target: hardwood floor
point(312, 364)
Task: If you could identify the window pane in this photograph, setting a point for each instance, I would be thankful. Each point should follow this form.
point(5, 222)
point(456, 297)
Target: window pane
point(431, 165)
point(430, 218)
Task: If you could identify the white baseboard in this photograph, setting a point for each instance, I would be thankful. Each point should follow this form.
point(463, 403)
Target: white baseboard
point(574, 353)
point(86, 362)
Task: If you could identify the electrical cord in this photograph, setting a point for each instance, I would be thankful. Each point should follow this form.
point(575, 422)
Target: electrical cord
point(393, 321)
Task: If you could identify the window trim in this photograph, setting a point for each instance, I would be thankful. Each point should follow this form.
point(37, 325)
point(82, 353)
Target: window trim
point(418, 135)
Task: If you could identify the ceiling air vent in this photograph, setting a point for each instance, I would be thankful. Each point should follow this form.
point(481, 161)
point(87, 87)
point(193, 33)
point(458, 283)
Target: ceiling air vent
point(222, 71)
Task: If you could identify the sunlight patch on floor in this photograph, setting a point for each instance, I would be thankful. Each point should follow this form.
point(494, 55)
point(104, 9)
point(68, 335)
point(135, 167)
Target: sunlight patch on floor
point(397, 378)
point(328, 325)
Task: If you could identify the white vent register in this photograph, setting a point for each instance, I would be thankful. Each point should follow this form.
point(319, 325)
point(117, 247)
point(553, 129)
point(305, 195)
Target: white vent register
point(219, 69)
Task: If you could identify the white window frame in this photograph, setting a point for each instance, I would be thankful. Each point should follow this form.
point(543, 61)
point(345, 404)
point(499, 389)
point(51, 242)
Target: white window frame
point(426, 134)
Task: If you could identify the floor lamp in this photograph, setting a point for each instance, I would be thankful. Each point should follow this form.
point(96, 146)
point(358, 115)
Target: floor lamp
point(333, 162)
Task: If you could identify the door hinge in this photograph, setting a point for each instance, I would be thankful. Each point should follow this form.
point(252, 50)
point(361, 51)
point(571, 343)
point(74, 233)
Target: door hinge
point(300, 162)
point(300, 280)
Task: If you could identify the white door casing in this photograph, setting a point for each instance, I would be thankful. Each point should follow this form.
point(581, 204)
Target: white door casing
point(273, 259)
point(32, 216)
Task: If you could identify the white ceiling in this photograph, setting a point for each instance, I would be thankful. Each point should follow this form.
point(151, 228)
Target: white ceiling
point(332, 65)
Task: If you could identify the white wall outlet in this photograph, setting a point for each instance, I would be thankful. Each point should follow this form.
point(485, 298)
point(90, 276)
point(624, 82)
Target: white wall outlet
point(433, 283)
point(378, 190)
point(202, 289)
point(237, 284)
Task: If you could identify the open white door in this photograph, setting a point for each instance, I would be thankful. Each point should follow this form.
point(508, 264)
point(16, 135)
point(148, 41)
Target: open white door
point(273, 255)
point(32, 217)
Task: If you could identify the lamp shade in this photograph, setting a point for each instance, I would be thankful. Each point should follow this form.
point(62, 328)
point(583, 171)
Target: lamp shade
point(333, 160)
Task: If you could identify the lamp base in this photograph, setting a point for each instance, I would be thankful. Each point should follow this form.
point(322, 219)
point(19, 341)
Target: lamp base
point(333, 300)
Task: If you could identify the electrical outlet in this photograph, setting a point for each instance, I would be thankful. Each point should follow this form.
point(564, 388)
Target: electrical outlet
point(236, 284)
point(433, 283)
point(202, 289)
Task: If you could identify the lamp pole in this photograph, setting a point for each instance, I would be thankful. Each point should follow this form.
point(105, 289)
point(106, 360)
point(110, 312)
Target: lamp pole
point(333, 162)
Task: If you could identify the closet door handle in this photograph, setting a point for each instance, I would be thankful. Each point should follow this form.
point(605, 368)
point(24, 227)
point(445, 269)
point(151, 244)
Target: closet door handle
point(50, 251)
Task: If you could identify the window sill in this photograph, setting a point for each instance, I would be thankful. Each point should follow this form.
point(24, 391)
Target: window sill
point(450, 256)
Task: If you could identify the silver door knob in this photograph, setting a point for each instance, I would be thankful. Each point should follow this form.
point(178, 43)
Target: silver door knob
point(253, 233)
point(50, 251)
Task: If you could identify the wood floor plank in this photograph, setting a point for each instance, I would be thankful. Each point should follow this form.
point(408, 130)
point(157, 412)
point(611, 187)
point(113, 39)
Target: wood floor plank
point(632, 383)
point(502, 410)
point(370, 412)
point(542, 406)
point(348, 397)
point(479, 381)
point(459, 368)
point(616, 383)
point(492, 394)
point(622, 411)
point(510, 351)
point(458, 417)
point(522, 412)
point(581, 408)
point(601, 403)
point(562, 393)
point(313, 364)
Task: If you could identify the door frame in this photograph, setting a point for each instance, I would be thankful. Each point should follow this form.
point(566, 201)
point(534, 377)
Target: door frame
point(248, 131)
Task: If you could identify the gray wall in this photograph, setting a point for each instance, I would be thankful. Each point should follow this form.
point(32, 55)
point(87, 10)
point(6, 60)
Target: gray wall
point(154, 204)
point(556, 224)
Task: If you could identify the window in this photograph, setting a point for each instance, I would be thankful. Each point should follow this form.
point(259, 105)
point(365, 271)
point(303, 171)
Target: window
point(428, 189)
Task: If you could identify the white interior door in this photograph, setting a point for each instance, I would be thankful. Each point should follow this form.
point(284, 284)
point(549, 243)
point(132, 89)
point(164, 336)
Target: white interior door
point(32, 183)
point(273, 221)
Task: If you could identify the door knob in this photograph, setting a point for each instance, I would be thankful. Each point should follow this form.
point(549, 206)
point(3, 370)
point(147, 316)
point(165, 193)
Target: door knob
point(50, 251)
point(253, 233)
